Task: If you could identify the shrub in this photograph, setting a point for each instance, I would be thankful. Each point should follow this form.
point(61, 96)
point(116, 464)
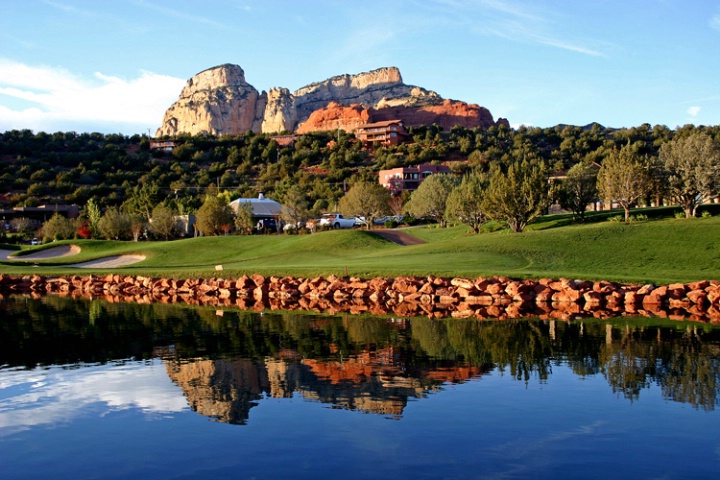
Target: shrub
point(706, 214)
point(391, 223)
point(679, 215)
point(638, 218)
point(616, 218)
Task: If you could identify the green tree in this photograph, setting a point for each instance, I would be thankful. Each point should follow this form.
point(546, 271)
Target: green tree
point(244, 218)
point(92, 210)
point(430, 199)
point(58, 228)
point(518, 196)
point(579, 188)
point(162, 222)
point(213, 216)
point(465, 202)
point(294, 208)
point(114, 225)
point(624, 177)
point(365, 199)
point(24, 226)
point(692, 170)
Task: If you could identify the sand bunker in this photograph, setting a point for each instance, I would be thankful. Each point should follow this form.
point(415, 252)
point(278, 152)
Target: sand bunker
point(55, 252)
point(110, 262)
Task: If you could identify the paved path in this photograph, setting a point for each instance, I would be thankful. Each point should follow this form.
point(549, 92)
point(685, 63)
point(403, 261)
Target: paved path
point(399, 237)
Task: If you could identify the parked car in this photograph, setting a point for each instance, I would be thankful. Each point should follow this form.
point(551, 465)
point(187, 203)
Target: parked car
point(35, 241)
point(382, 220)
point(336, 220)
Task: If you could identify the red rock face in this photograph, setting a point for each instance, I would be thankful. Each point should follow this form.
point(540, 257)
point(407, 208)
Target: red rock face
point(447, 114)
point(336, 116)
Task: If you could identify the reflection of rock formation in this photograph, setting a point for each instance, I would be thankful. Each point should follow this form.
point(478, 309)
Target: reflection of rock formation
point(226, 389)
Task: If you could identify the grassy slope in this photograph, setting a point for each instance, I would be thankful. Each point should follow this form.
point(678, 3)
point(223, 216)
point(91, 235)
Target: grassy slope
point(657, 251)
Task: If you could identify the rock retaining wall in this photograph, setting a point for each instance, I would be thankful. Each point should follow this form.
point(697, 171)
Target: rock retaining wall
point(435, 297)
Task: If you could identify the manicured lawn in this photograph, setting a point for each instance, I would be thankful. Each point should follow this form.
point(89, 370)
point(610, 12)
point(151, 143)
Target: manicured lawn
point(659, 251)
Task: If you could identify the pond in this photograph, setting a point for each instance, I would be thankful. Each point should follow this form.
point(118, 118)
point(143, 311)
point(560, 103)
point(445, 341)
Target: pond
point(90, 389)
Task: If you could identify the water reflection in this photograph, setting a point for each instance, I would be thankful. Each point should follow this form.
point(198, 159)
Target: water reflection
point(227, 364)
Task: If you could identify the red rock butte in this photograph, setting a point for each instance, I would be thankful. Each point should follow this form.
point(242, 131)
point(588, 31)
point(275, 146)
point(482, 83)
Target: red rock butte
point(219, 101)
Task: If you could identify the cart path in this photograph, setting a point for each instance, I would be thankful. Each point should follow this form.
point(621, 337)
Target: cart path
point(399, 237)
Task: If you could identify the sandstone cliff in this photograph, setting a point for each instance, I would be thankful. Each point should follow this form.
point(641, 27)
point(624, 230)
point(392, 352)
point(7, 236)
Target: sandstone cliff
point(219, 100)
point(215, 101)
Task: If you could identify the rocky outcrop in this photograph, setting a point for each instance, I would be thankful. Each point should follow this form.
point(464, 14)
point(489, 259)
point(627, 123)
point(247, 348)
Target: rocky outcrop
point(435, 297)
point(215, 101)
point(336, 116)
point(220, 101)
point(280, 112)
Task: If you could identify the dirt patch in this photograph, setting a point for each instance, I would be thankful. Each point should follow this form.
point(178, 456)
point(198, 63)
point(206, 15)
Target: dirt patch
point(399, 237)
point(110, 262)
point(55, 252)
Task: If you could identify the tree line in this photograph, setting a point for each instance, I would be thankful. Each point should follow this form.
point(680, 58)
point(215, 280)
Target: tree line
point(498, 173)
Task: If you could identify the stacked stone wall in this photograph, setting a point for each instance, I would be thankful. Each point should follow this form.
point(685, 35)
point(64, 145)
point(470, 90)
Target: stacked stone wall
point(434, 297)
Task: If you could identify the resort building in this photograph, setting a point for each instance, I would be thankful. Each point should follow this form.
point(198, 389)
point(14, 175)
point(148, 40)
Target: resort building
point(409, 178)
point(390, 132)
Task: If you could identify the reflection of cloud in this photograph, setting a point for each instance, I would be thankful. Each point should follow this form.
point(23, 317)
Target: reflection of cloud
point(45, 97)
point(57, 395)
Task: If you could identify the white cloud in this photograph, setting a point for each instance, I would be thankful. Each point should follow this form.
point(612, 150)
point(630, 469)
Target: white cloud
point(516, 23)
point(693, 111)
point(715, 22)
point(55, 97)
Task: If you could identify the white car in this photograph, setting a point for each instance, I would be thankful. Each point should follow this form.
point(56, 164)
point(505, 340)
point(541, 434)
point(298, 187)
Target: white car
point(336, 220)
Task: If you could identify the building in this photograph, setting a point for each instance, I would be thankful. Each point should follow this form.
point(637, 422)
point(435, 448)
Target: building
point(262, 208)
point(409, 178)
point(164, 145)
point(390, 132)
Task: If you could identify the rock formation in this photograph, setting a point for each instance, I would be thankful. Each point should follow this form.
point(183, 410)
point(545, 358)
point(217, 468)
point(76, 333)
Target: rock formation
point(219, 101)
point(215, 101)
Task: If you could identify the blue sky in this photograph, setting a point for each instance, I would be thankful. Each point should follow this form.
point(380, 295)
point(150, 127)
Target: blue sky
point(116, 65)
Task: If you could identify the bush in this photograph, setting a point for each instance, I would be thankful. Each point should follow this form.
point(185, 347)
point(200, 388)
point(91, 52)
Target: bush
point(680, 215)
point(638, 218)
point(706, 214)
point(616, 218)
point(391, 223)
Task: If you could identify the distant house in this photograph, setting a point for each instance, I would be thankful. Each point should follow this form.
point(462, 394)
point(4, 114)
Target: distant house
point(41, 213)
point(409, 178)
point(284, 140)
point(390, 132)
point(164, 145)
point(185, 224)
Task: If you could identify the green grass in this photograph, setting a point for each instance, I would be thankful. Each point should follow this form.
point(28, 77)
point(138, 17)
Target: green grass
point(659, 251)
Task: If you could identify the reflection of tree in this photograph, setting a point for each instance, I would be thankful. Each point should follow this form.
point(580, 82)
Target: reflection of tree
point(371, 364)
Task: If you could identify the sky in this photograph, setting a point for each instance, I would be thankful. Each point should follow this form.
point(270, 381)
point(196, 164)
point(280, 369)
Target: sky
point(115, 66)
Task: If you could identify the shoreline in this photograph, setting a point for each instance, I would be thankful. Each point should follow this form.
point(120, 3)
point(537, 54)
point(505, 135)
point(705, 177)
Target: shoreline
point(435, 297)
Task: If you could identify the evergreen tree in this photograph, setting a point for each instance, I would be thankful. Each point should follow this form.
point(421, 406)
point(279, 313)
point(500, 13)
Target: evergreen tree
point(692, 170)
point(430, 199)
point(518, 196)
point(465, 202)
point(624, 177)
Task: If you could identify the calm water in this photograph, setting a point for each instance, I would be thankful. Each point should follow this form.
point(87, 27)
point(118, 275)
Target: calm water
point(121, 391)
